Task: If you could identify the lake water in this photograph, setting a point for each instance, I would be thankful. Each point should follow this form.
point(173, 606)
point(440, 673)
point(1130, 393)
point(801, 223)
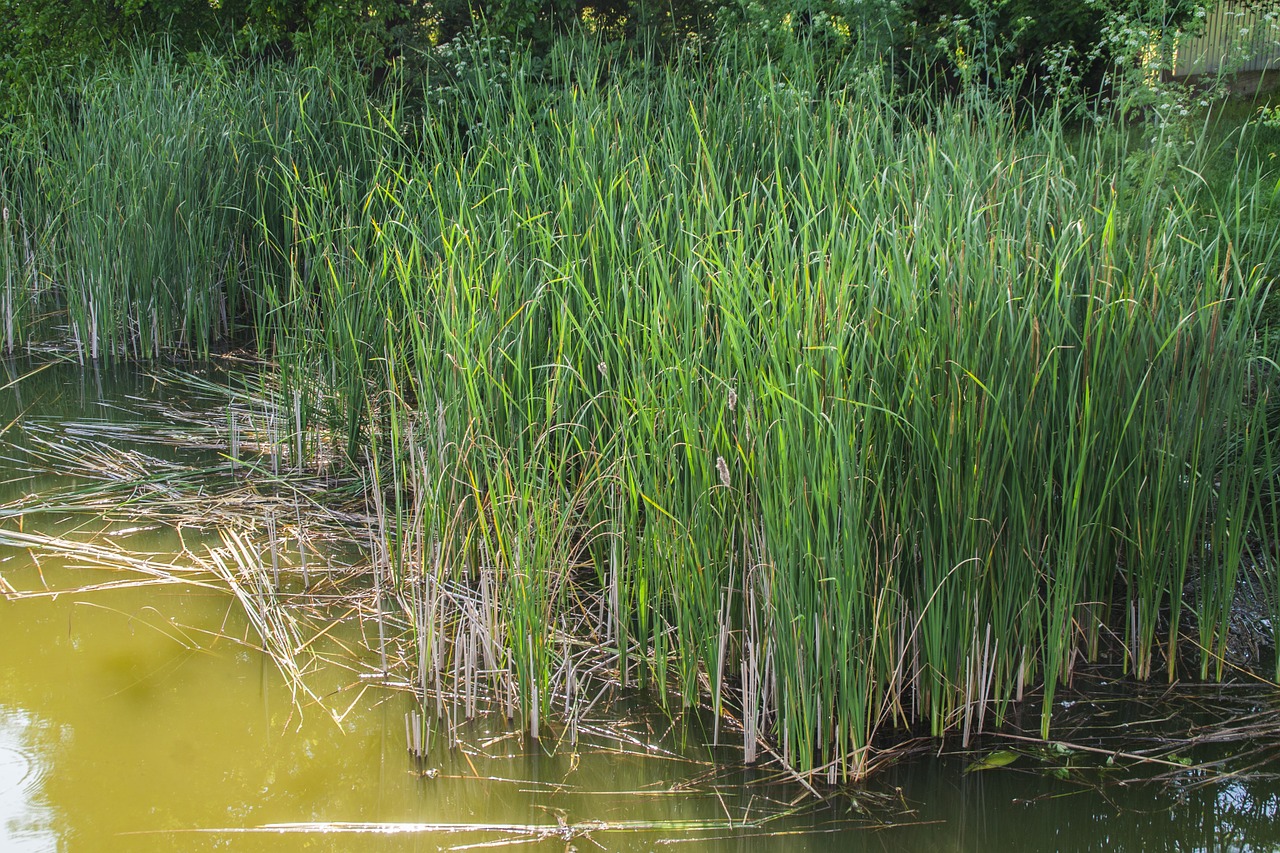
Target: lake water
point(145, 717)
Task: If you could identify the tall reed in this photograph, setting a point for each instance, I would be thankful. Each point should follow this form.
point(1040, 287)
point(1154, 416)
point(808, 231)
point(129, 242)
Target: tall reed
point(20, 241)
point(132, 184)
point(842, 411)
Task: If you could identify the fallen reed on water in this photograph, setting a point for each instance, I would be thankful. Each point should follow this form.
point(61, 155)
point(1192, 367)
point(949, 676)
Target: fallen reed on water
point(836, 410)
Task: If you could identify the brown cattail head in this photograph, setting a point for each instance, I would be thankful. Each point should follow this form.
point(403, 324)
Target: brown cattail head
point(723, 468)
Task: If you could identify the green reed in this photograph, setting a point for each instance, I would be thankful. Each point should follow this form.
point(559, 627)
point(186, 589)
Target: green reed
point(15, 289)
point(25, 281)
point(136, 176)
point(838, 411)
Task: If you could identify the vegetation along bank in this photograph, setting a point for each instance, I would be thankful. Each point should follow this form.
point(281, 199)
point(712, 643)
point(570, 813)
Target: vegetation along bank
point(841, 407)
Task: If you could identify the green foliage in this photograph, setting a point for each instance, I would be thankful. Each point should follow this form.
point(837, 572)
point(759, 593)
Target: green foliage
point(133, 216)
point(765, 392)
point(1017, 45)
point(40, 37)
point(824, 35)
point(1032, 46)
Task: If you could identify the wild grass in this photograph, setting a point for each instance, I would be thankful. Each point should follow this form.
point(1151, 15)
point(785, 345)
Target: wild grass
point(138, 166)
point(838, 411)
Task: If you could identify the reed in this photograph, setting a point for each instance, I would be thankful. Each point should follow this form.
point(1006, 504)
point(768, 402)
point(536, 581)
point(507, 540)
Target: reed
point(844, 411)
point(21, 286)
point(138, 164)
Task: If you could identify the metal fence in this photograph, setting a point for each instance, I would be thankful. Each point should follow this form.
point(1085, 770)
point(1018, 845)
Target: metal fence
point(1236, 37)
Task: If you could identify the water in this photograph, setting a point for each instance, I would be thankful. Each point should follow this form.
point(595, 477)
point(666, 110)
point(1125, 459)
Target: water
point(146, 718)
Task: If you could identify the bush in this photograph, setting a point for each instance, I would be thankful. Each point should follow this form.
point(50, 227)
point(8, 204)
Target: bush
point(40, 36)
point(1035, 47)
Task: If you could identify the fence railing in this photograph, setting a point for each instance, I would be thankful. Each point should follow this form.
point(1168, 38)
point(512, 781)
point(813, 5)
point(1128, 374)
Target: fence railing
point(1236, 37)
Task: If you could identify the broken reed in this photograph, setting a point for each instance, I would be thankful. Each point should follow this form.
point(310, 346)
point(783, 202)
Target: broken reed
point(837, 412)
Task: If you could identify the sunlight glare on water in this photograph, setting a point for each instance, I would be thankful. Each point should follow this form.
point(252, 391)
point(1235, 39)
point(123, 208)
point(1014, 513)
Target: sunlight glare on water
point(26, 824)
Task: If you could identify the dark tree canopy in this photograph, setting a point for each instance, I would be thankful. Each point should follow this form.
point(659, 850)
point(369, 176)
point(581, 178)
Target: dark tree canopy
point(1017, 38)
point(36, 35)
point(1028, 39)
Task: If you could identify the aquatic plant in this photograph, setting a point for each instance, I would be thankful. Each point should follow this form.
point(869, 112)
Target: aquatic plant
point(837, 411)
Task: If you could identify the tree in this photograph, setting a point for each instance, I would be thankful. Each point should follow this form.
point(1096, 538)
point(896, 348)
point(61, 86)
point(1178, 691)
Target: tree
point(1032, 41)
point(39, 35)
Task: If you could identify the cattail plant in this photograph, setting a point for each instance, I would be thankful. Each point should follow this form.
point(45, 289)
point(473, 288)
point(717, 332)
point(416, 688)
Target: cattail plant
point(846, 412)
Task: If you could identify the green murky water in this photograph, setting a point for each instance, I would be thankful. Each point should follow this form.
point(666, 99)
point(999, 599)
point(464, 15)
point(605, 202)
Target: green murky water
point(145, 718)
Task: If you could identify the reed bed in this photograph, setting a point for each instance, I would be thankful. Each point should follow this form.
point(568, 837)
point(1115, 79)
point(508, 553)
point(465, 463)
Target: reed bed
point(837, 410)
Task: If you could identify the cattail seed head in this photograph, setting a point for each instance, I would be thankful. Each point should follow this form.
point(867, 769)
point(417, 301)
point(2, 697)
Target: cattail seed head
point(733, 399)
point(723, 468)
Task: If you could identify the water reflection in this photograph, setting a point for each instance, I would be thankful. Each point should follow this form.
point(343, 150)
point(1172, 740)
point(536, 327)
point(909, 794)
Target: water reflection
point(26, 820)
point(1027, 808)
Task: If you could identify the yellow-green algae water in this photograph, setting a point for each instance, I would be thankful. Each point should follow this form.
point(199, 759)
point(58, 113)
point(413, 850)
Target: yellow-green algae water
point(146, 718)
